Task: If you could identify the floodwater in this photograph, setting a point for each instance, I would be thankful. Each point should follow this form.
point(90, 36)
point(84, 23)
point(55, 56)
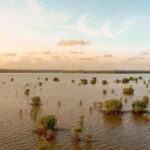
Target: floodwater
point(124, 132)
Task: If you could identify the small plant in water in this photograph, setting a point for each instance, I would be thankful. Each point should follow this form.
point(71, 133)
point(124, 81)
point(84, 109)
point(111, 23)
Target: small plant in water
point(125, 80)
point(83, 81)
point(12, 79)
point(128, 91)
point(104, 82)
point(88, 137)
point(27, 91)
point(104, 91)
point(56, 79)
point(138, 107)
point(36, 100)
point(112, 106)
point(43, 146)
point(93, 80)
point(76, 134)
point(48, 122)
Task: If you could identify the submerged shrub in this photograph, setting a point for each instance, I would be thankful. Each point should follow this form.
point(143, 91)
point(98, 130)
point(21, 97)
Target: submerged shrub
point(76, 134)
point(12, 79)
point(56, 79)
point(36, 100)
point(125, 80)
point(46, 79)
point(112, 106)
point(83, 81)
point(48, 122)
point(88, 137)
point(140, 77)
point(128, 91)
point(104, 82)
point(131, 78)
point(138, 106)
point(27, 91)
point(43, 146)
point(40, 83)
point(104, 91)
point(73, 81)
point(118, 81)
point(93, 80)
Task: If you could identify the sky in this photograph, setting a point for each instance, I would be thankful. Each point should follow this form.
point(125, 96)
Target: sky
point(75, 34)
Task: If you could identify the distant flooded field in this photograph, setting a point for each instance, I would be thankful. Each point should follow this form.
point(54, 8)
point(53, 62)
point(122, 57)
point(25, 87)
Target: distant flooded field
point(68, 99)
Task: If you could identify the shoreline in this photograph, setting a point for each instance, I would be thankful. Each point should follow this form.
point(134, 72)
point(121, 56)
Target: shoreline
point(76, 71)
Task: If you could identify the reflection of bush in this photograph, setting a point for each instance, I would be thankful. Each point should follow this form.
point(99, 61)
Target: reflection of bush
point(112, 119)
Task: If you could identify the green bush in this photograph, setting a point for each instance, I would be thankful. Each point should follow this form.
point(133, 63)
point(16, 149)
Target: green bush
point(44, 146)
point(125, 80)
point(138, 106)
point(93, 80)
point(131, 78)
point(40, 83)
point(112, 106)
point(104, 82)
point(12, 79)
point(83, 81)
point(27, 91)
point(118, 81)
point(56, 79)
point(48, 122)
point(36, 100)
point(128, 91)
point(46, 79)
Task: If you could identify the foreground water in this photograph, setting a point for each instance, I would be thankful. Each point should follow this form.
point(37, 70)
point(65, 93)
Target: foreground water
point(125, 132)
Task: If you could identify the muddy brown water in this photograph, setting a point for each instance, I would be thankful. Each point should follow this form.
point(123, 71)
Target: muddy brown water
point(123, 132)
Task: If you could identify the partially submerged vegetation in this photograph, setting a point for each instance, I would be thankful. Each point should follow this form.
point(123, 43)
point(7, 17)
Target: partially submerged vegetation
point(46, 127)
point(56, 79)
point(129, 91)
point(36, 100)
point(83, 81)
point(139, 107)
point(104, 82)
point(93, 80)
point(112, 106)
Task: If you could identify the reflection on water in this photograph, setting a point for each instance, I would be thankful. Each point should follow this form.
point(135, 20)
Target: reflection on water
point(68, 101)
point(34, 112)
point(115, 120)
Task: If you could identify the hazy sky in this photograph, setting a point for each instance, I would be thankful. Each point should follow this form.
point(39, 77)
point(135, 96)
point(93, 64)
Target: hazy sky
point(75, 34)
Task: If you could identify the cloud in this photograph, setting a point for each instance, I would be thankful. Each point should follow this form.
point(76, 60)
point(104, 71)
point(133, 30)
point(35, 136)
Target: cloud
point(105, 31)
point(9, 54)
point(73, 43)
point(76, 52)
point(145, 52)
point(46, 53)
point(108, 56)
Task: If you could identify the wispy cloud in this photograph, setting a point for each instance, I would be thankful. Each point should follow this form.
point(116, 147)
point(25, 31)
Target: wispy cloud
point(108, 56)
point(73, 42)
point(105, 30)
